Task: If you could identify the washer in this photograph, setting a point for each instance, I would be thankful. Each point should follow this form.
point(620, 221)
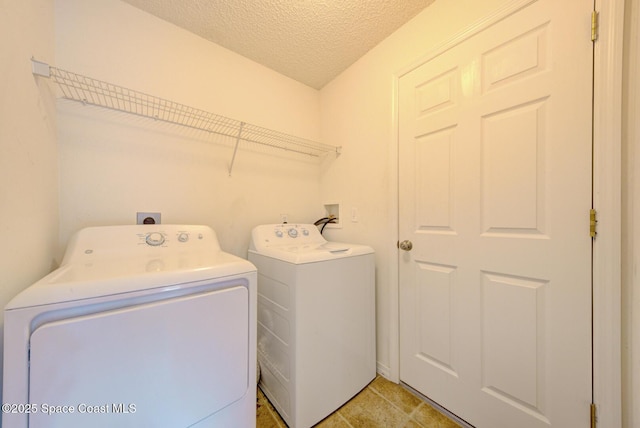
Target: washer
point(140, 326)
point(316, 320)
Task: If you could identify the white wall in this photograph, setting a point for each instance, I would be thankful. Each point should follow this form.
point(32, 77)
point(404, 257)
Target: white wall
point(357, 113)
point(113, 164)
point(28, 152)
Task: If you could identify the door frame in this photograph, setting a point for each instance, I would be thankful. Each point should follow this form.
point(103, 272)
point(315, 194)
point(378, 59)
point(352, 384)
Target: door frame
point(607, 189)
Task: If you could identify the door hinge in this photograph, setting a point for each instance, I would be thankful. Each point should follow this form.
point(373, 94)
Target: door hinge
point(593, 221)
point(594, 416)
point(594, 26)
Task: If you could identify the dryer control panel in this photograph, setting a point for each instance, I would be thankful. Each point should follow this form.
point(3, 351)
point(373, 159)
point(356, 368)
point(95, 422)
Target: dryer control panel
point(180, 237)
point(139, 240)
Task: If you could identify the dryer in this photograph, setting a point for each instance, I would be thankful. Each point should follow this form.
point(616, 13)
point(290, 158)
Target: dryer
point(150, 325)
point(316, 320)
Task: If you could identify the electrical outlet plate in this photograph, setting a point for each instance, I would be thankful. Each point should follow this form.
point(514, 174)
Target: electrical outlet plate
point(147, 218)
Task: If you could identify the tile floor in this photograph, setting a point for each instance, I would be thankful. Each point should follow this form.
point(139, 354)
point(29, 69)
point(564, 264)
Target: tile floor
point(381, 404)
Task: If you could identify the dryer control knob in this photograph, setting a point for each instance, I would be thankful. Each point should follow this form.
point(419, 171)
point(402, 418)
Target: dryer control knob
point(183, 236)
point(293, 233)
point(155, 238)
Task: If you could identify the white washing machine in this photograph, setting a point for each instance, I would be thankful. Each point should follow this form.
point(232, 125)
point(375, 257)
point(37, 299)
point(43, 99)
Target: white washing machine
point(141, 326)
point(316, 320)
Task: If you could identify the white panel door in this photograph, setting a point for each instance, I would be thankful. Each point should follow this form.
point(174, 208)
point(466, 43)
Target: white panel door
point(495, 191)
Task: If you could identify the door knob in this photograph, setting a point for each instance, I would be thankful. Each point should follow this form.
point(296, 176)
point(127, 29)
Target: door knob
point(405, 245)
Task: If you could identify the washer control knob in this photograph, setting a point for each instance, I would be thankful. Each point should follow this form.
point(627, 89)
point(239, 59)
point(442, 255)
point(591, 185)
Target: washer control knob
point(305, 232)
point(183, 236)
point(279, 233)
point(154, 239)
point(293, 232)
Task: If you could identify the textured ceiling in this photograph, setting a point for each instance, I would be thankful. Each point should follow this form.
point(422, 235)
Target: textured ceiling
point(311, 41)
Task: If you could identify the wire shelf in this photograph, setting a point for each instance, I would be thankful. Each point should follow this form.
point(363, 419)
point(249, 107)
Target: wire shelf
point(95, 92)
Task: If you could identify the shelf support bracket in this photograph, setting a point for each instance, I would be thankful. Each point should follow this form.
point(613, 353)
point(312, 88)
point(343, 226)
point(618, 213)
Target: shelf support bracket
point(40, 68)
point(235, 149)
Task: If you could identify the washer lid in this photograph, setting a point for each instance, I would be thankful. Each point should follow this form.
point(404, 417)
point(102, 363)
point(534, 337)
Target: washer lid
point(310, 254)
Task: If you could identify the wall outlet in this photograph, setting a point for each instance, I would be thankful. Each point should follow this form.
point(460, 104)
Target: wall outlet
point(284, 218)
point(147, 218)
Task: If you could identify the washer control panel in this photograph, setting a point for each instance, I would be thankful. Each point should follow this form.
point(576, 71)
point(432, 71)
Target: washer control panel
point(286, 234)
point(293, 231)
